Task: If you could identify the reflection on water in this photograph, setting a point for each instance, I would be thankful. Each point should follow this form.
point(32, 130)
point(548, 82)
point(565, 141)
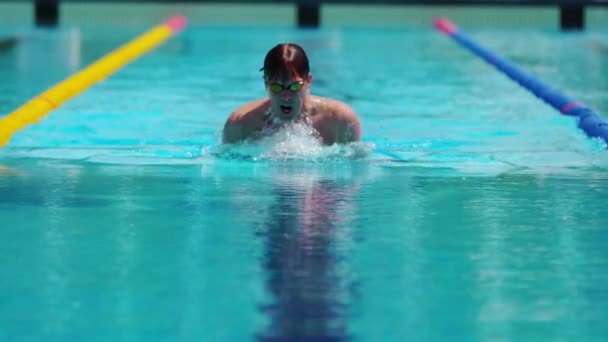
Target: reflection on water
point(301, 258)
point(290, 251)
point(5, 170)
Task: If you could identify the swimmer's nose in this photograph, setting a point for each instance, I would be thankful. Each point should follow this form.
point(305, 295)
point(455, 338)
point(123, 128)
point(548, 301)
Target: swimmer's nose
point(286, 94)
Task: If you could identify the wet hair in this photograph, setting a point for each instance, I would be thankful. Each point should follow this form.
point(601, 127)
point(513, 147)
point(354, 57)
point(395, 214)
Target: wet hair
point(285, 58)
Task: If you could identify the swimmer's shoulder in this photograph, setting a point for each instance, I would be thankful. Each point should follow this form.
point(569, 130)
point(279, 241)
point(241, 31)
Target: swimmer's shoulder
point(332, 109)
point(251, 111)
point(245, 121)
point(336, 121)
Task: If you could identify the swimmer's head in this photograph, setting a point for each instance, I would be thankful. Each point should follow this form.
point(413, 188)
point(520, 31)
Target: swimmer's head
point(286, 59)
point(287, 78)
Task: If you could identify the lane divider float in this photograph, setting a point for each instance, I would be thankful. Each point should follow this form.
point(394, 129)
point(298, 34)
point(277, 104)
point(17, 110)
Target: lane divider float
point(592, 123)
point(38, 107)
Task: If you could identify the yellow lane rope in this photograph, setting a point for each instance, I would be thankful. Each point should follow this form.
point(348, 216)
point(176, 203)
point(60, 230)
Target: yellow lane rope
point(37, 108)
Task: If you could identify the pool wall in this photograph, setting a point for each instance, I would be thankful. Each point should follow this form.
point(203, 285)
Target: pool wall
point(77, 13)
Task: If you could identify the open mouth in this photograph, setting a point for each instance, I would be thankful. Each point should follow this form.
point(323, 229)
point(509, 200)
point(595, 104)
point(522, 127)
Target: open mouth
point(286, 109)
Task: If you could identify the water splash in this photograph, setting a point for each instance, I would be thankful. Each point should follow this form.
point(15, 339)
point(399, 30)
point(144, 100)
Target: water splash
point(294, 141)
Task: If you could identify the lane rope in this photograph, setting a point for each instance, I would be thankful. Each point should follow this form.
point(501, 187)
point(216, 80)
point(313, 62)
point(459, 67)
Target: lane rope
point(592, 123)
point(38, 107)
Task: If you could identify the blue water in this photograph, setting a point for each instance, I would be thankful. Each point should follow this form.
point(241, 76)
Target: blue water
point(471, 210)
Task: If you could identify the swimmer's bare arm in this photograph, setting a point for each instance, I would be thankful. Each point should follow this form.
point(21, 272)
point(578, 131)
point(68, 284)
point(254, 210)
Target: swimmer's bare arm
point(233, 130)
point(244, 122)
point(348, 127)
point(344, 126)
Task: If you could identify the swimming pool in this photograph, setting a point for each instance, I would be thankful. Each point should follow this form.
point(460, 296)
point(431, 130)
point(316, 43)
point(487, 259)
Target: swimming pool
point(124, 219)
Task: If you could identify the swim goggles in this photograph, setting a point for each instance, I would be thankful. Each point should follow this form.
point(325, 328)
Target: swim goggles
point(277, 88)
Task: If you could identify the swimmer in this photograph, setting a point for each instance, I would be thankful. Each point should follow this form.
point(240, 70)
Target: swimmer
point(287, 79)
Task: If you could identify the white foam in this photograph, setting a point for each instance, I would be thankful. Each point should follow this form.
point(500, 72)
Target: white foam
point(294, 141)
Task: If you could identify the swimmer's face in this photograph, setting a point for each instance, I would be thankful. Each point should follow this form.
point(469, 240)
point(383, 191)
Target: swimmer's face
point(287, 93)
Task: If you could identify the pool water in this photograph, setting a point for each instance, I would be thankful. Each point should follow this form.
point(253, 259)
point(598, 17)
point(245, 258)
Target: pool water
point(471, 210)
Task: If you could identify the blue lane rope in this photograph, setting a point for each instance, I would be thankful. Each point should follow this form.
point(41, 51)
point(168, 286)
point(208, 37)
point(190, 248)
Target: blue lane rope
point(588, 120)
